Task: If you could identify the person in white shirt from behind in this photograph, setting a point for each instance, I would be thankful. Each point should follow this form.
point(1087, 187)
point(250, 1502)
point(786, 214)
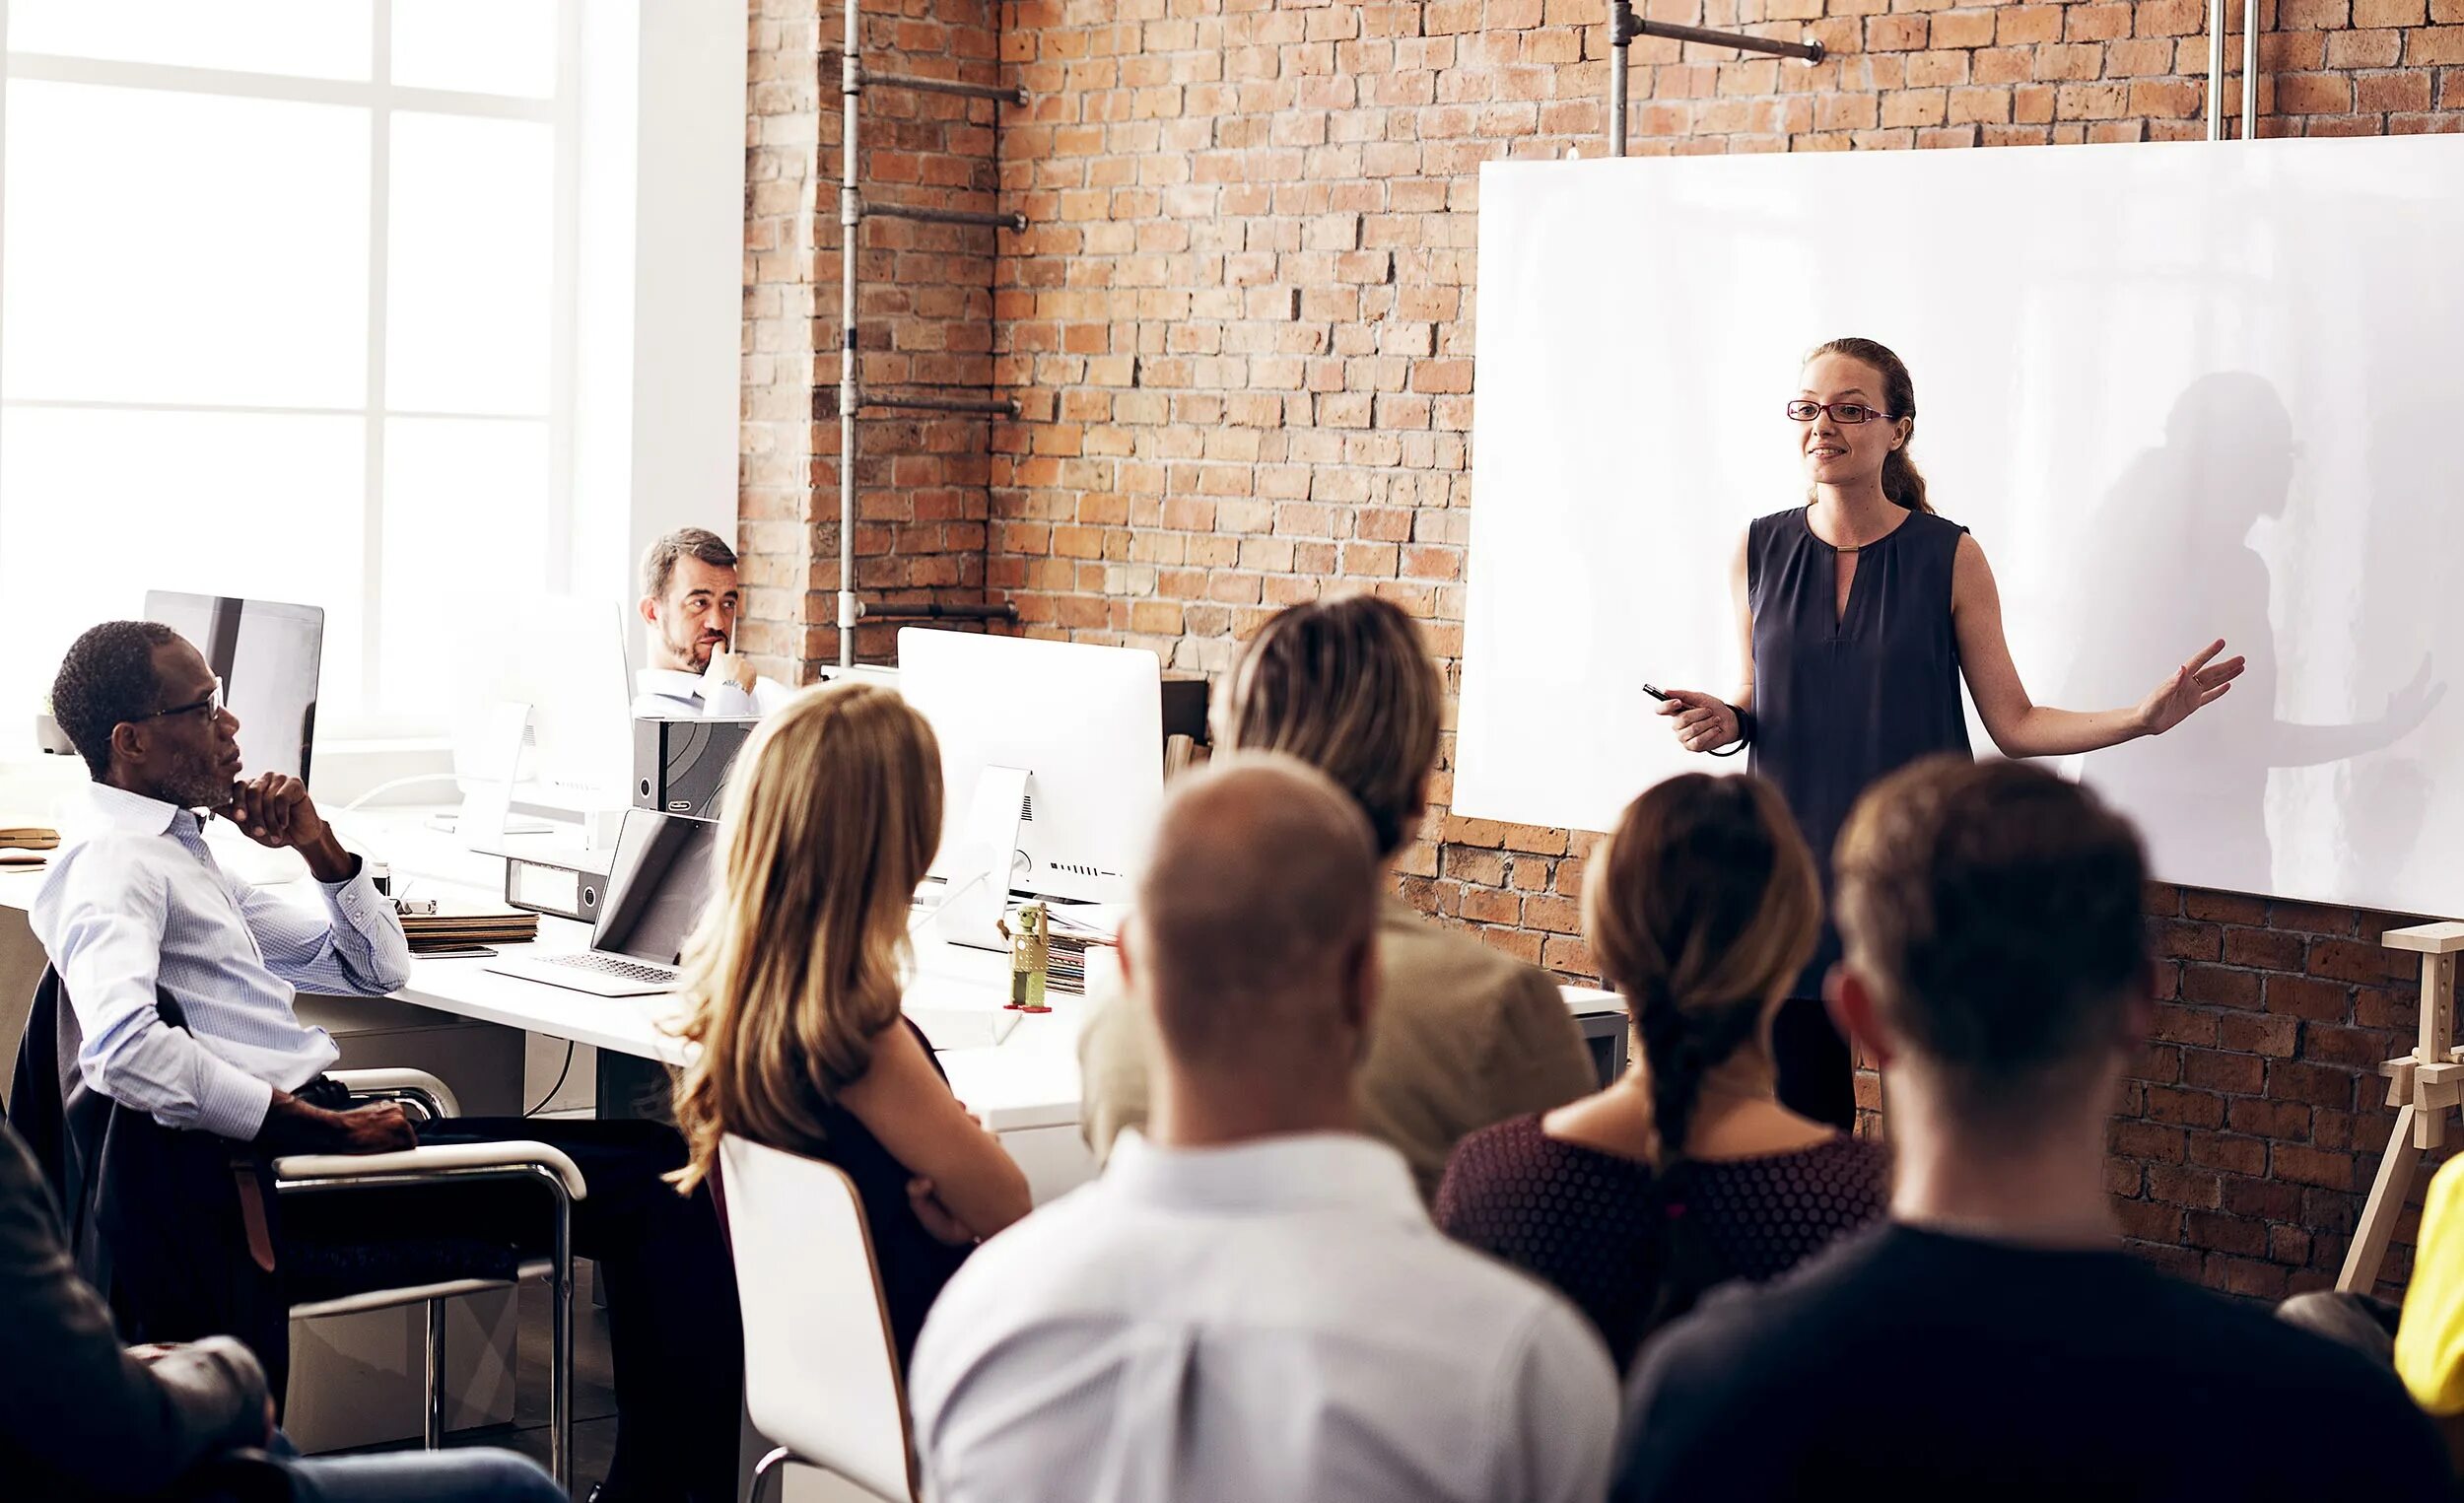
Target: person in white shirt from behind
point(1251, 1303)
point(690, 595)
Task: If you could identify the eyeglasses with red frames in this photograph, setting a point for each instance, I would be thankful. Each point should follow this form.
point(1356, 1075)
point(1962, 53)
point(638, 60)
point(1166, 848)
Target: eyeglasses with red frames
point(1850, 413)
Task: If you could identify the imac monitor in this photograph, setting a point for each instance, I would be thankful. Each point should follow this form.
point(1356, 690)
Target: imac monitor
point(564, 657)
point(268, 655)
point(1084, 724)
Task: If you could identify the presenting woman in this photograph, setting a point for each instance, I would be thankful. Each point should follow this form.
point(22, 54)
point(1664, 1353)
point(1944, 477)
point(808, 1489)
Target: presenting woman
point(1859, 612)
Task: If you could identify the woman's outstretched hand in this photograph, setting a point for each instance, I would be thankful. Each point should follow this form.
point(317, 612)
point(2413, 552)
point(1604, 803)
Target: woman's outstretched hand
point(1702, 721)
point(2198, 683)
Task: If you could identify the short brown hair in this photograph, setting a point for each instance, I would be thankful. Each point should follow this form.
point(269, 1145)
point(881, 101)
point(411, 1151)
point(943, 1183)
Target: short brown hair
point(658, 564)
point(1345, 686)
point(1996, 910)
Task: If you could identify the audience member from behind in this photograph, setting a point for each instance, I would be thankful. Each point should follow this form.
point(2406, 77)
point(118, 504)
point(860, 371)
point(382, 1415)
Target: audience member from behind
point(690, 596)
point(1702, 908)
point(796, 973)
point(1254, 1304)
point(1994, 1341)
point(1465, 1036)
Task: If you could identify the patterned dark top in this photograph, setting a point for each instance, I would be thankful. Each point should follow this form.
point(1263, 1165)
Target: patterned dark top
point(1581, 1219)
point(1841, 700)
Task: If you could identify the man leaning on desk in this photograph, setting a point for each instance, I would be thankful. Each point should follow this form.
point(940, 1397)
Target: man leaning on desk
point(182, 978)
point(690, 595)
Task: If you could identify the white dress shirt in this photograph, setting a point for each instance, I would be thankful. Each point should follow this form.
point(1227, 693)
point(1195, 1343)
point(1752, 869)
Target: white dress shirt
point(670, 694)
point(139, 901)
point(1275, 1320)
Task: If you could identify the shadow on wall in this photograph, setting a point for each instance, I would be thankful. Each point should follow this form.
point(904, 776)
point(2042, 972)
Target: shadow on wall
point(2169, 568)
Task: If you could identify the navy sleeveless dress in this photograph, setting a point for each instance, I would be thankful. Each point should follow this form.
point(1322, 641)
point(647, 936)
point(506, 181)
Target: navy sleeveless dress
point(1841, 700)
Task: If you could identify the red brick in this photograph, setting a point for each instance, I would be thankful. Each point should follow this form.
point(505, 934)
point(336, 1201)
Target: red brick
point(2228, 1152)
point(2218, 987)
point(2262, 949)
point(2309, 1166)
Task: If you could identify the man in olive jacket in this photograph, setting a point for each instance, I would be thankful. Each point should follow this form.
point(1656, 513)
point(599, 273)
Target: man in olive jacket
point(1464, 1035)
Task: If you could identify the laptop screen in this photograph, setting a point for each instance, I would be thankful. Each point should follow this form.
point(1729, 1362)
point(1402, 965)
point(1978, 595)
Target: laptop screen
point(656, 886)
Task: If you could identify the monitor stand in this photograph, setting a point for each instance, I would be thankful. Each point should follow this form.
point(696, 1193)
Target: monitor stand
point(976, 879)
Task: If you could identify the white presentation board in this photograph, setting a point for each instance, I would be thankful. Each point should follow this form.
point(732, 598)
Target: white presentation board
point(2177, 391)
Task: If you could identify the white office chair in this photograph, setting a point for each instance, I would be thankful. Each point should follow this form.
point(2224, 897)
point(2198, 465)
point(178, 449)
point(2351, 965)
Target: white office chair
point(445, 1164)
point(821, 1375)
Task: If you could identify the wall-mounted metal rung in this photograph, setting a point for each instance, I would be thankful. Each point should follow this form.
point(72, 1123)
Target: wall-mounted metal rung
point(947, 216)
point(1013, 93)
point(997, 407)
point(929, 611)
point(1811, 52)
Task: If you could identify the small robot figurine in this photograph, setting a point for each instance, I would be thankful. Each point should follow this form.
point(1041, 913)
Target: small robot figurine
point(1030, 957)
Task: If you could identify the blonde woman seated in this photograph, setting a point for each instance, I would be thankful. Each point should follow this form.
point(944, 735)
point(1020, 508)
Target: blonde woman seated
point(1687, 1172)
point(794, 977)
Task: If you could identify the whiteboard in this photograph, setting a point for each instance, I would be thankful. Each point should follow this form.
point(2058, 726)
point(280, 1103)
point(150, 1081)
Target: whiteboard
point(2177, 391)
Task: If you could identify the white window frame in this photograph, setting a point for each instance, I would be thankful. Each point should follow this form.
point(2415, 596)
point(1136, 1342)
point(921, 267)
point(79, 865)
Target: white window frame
point(376, 717)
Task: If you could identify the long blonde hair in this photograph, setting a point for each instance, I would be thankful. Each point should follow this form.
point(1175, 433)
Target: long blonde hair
point(831, 817)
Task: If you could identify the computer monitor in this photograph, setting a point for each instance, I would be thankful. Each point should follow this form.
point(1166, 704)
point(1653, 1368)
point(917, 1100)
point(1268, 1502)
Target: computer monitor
point(268, 655)
point(564, 656)
point(1084, 724)
point(656, 886)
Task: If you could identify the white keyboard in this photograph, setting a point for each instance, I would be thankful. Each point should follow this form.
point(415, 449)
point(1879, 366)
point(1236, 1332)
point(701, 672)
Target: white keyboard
point(612, 965)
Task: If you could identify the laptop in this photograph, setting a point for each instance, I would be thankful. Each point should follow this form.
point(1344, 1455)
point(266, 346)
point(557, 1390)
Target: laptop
point(660, 877)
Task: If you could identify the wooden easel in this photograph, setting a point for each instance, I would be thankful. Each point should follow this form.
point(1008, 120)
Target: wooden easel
point(2423, 1086)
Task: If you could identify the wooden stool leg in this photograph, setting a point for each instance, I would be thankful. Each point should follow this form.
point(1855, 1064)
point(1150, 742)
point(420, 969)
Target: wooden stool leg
point(2385, 1205)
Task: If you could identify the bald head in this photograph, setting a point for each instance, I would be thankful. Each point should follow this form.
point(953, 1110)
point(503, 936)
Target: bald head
point(1256, 919)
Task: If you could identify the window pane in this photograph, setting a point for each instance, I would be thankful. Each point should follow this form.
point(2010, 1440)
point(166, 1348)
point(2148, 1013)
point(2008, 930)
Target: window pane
point(184, 248)
point(99, 507)
point(483, 47)
point(305, 39)
point(466, 515)
point(469, 310)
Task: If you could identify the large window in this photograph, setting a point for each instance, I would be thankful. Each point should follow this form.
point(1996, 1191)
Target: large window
point(286, 296)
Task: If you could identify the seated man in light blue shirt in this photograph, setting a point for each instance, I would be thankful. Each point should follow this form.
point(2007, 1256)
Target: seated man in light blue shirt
point(137, 903)
point(1251, 1303)
point(690, 596)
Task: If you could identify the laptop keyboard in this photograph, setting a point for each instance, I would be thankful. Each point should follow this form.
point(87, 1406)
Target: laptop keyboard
point(612, 965)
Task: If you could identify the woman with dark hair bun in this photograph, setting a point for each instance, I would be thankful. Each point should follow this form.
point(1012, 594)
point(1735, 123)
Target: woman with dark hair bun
point(1859, 612)
point(1686, 1172)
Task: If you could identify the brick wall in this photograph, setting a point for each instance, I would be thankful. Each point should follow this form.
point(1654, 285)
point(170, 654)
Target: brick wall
point(925, 313)
point(1241, 328)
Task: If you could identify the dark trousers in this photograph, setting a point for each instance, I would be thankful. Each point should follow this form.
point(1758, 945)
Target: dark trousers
point(678, 1344)
point(1817, 1075)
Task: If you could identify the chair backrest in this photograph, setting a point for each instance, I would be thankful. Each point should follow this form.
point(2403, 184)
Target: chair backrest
point(820, 1374)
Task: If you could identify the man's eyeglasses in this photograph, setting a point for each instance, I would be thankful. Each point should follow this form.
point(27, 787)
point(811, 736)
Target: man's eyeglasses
point(207, 708)
point(1850, 413)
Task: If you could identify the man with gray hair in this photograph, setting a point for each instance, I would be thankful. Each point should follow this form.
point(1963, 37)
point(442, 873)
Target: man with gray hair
point(1251, 1303)
point(690, 595)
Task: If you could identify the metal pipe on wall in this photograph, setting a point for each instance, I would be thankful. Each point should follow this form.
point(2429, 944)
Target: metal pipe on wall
point(850, 215)
point(2215, 70)
point(2249, 69)
point(1620, 35)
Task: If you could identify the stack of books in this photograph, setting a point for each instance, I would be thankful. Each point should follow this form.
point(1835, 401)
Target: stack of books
point(460, 929)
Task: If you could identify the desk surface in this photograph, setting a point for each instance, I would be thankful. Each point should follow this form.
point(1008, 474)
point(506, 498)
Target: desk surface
point(1029, 1079)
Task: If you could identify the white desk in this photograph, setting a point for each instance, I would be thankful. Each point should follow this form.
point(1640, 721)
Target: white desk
point(1026, 1088)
